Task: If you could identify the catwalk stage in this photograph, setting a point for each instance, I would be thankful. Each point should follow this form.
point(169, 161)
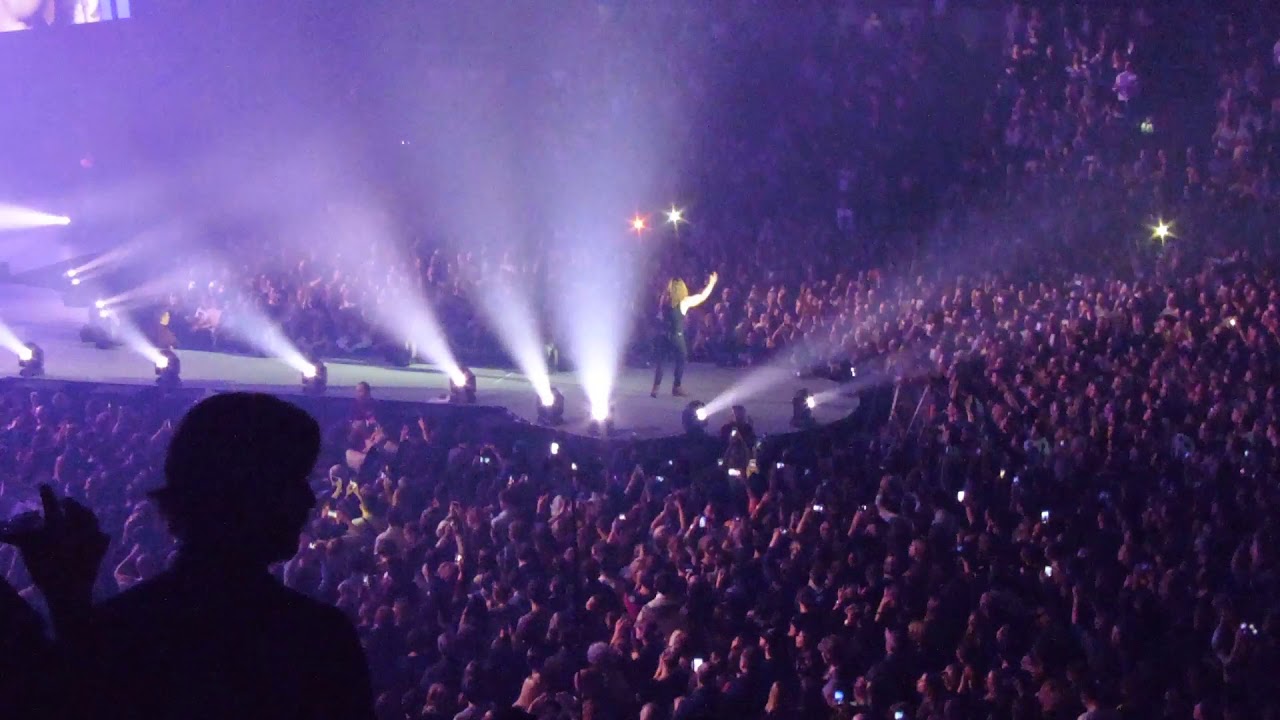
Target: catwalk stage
point(38, 314)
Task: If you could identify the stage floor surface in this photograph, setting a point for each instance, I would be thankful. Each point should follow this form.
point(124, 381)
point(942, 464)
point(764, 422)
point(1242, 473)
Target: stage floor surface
point(39, 315)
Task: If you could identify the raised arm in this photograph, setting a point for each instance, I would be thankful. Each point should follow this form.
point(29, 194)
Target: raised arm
point(694, 301)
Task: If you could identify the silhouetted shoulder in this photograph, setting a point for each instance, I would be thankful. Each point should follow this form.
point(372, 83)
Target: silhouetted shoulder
point(193, 646)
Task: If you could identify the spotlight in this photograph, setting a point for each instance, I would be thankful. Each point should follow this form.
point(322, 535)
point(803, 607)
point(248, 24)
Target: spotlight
point(100, 304)
point(638, 224)
point(168, 369)
point(675, 216)
point(31, 361)
point(62, 220)
point(551, 413)
point(75, 281)
point(462, 387)
point(694, 418)
point(104, 314)
point(600, 413)
point(601, 421)
point(315, 378)
point(802, 405)
point(71, 273)
point(1162, 231)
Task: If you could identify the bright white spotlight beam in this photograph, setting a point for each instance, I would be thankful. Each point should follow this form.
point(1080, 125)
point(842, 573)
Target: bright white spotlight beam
point(508, 312)
point(9, 340)
point(136, 340)
point(13, 217)
point(256, 329)
point(152, 288)
point(599, 412)
point(409, 320)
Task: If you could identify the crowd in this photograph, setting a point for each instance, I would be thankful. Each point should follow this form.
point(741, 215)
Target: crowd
point(1068, 511)
point(1071, 157)
point(1078, 519)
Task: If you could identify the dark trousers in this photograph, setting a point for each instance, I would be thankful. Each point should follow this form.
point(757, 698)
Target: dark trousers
point(673, 347)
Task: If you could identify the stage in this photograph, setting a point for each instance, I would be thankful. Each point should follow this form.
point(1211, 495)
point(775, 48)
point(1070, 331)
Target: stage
point(38, 314)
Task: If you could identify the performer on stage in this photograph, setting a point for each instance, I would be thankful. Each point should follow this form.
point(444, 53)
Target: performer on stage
point(676, 303)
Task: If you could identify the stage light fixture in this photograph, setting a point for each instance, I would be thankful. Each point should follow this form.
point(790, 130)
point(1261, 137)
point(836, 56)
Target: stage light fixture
point(601, 421)
point(100, 304)
point(551, 413)
point(315, 378)
point(31, 361)
point(168, 369)
point(802, 405)
point(462, 387)
point(638, 224)
point(71, 273)
point(675, 216)
point(694, 418)
point(75, 281)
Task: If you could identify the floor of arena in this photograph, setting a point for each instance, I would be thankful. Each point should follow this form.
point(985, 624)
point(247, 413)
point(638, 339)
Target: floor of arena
point(39, 315)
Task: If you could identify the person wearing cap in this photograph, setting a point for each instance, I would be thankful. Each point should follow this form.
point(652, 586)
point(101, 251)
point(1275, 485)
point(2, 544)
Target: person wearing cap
point(216, 635)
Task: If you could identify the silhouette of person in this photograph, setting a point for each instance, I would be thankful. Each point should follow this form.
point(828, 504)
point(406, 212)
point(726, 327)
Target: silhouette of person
point(216, 636)
point(62, 549)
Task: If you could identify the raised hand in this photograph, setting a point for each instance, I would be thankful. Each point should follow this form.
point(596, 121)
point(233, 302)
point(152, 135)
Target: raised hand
point(62, 554)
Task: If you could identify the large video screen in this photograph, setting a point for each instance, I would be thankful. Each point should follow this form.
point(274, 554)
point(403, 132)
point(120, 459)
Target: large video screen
point(38, 14)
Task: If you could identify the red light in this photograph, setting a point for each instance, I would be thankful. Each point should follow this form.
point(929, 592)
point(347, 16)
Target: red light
point(638, 224)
